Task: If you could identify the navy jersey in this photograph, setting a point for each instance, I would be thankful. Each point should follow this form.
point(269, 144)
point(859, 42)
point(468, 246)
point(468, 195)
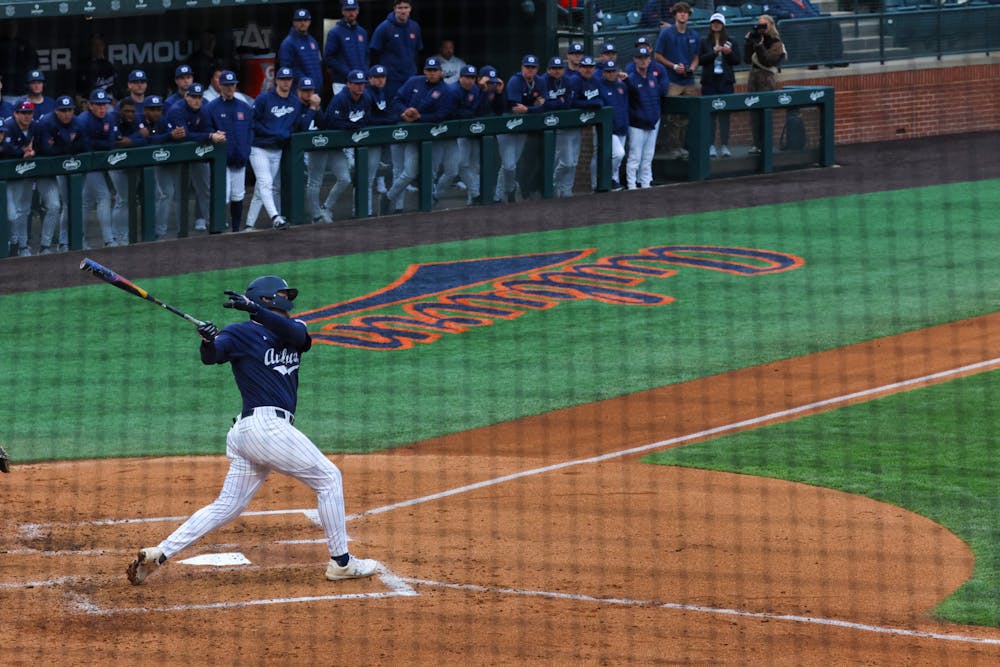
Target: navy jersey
point(346, 113)
point(434, 101)
point(54, 138)
point(264, 354)
point(380, 107)
point(45, 106)
point(519, 91)
point(196, 122)
point(16, 139)
point(558, 95)
point(274, 119)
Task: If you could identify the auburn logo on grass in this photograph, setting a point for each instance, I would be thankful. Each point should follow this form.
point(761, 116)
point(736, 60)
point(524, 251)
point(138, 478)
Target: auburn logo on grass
point(430, 300)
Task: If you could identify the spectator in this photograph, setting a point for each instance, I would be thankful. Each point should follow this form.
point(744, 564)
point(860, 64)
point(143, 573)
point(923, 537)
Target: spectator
point(59, 133)
point(451, 64)
point(100, 133)
point(718, 57)
point(300, 51)
point(395, 44)
point(18, 143)
point(276, 115)
point(188, 120)
point(36, 94)
point(346, 45)
point(559, 97)
point(96, 73)
point(524, 93)
point(350, 109)
point(138, 82)
point(615, 95)
point(677, 50)
point(422, 99)
point(644, 94)
point(17, 58)
point(233, 117)
point(574, 54)
point(656, 14)
point(764, 51)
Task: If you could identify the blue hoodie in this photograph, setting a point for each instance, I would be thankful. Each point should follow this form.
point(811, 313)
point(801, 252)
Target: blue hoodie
point(196, 122)
point(346, 49)
point(519, 91)
point(16, 139)
point(434, 102)
point(346, 113)
point(274, 119)
point(54, 138)
point(380, 107)
point(302, 54)
point(235, 118)
point(396, 45)
point(99, 134)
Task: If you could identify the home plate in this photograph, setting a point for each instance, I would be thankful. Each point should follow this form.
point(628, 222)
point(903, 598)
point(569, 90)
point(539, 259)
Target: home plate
point(217, 560)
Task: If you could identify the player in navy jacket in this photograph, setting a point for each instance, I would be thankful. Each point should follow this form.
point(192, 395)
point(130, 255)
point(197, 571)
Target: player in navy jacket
point(559, 97)
point(395, 44)
point(524, 93)
point(644, 93)
point(18, 143)
point(234, 117)
point(346, 45)
point(615, 95)
point(59, 133)
point(100, 133)
point(381, 104)
point(300, 50)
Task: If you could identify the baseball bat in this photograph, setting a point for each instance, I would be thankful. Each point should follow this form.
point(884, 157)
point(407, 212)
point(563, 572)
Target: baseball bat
point(122, 283)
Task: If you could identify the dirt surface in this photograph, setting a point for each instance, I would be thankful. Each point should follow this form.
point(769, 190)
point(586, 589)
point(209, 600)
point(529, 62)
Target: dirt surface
point(540, 541)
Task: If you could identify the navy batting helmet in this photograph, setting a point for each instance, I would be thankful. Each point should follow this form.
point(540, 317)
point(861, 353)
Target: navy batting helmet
point(267, 287)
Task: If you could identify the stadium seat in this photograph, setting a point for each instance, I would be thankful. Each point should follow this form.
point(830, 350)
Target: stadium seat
point(751, 10)
point(729, 11)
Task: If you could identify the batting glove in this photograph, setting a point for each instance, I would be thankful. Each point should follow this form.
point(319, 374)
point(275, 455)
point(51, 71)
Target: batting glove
point(208, 331)
point(240, 302)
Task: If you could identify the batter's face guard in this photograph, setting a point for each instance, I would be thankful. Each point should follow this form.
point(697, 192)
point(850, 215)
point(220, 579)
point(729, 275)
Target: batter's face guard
point(272, 292)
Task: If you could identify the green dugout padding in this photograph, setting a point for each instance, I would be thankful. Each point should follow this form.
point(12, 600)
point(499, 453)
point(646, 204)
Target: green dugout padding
point(425, 134)
point(141, 165)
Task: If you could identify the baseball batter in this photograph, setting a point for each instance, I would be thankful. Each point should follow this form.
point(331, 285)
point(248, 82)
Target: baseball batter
point(264, 354)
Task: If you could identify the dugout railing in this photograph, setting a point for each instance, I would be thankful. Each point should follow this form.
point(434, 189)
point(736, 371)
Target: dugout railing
point(484, 129)
point(141, 165)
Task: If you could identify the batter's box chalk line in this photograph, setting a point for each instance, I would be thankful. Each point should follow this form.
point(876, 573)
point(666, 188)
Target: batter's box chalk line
point(394, 586)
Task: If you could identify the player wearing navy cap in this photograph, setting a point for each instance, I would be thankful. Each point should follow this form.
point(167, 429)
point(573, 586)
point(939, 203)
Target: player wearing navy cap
point(644, 96)
point(18, 143)
point(346, 45)
point(474, 100)
point(559, 97)
point(183, 77)
point(59, 133)
point(300, 51)
point(381, 113)
point(264, 354)
point(524, 93)
point(574, 53)
point(348, 110)
point(36, 94)
point(100, 133)
point(234, 117)
point(138, 83)
point(615, 95)
point(395, 44)
point(276, 114)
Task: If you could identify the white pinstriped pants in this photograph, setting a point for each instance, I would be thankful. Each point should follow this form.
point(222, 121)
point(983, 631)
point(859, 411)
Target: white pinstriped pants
point(256, 445)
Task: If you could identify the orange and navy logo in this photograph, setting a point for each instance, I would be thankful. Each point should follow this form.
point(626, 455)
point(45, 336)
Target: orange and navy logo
point(431, 300)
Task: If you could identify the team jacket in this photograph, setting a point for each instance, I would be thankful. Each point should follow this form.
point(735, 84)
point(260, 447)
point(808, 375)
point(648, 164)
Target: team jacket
point(302, 54)
point(346, 49)
point(264, 354)
point(54, 138)
point(346, 113)
point(379, 107)
point(396, 46)
point(658, 71)
point(471, 103)
point(235, 118)
point(196, 122)
point(519, 91)
point(586, 92)
point(434, 102)
point(16, 139)
point(615, 95)
point(99, 134)
point(644, 95)
point(274, 119)
point(41, 108)
point(558, 95)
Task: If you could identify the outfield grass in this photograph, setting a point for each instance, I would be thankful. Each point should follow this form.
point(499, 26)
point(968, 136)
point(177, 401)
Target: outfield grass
point(932, 451)
point(91, 372)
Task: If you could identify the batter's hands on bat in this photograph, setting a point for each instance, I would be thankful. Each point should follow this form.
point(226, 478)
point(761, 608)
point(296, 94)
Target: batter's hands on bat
point(208, 331)
point(240, 302)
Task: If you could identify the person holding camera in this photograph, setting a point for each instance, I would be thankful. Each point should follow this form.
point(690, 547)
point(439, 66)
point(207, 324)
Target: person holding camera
point(764, 51)
point(717, 58)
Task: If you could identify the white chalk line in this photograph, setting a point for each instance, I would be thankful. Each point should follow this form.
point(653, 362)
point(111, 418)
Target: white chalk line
point(894, 387)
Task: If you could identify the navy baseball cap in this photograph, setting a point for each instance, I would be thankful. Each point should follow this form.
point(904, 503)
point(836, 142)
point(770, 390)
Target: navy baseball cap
point(137, 75)
point(587, 61)
point(609, 66)
point(100, 96)
point(306, 83)
point(376, 70)
point(529, 60)
point(284, 73)
point(183, 70)
point(349, 4)
point(302, 15)
point(64, 102)
point(35, 75)
point(432, 63)
point(468, 70)
point(642, 41)
point(356, 76)
point(195, 90)
point(556, 62)
point(228, 78)
point(490, 73)
point(153, 101)
point(643, 52)
point(24, 106)
point(609, 48)
point(575, 47)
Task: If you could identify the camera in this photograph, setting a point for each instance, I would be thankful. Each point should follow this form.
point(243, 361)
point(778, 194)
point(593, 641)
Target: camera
point(759, 28)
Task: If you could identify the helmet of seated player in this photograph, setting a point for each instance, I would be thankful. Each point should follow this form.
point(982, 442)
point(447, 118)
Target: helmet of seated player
point(264, 292)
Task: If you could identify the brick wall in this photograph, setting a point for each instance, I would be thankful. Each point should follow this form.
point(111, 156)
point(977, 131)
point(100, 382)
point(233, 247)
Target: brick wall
point(911, 104)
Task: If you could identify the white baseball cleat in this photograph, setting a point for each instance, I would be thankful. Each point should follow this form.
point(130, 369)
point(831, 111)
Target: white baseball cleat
point(144, 564)
point(356, 568)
